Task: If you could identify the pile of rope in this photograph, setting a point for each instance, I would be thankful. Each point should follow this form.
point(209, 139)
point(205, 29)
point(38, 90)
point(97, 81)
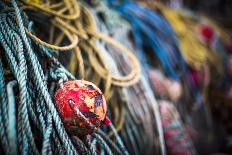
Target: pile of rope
point(188, 50)
point(30, 73)
point(139, 98)
point(45, 43)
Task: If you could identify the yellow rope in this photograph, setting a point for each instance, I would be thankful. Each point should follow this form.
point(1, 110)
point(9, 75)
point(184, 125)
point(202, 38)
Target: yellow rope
point(49, 10)
point(84, 28)
point(119, 117)
point(194, 52)
point(73, 38)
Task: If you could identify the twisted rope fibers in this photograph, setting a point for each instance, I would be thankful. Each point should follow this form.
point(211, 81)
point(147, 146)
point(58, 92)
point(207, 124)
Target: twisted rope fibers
point(105, 39)
point(39, 81)
point(139, 102)
point(89, 28)
point(54, 136)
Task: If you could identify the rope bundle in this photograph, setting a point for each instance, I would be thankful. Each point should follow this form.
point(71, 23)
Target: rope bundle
point(138, 98)
point(200, 63)
point(40, 39)
point(85, 29)
point(32, 63)
point(161, 41)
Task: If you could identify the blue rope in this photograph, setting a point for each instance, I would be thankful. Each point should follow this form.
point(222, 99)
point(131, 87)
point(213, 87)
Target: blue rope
point(101, 141)
point(92, 145)
point(3, 111)
point(12, 134)
point(158, 35)
point(104, 136)
point(21, 78)
point(152, 30)
point(46, 140)
point(41, 84)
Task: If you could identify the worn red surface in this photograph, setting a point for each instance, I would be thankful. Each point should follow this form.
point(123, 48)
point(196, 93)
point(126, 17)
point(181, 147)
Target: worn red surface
point(86, 97)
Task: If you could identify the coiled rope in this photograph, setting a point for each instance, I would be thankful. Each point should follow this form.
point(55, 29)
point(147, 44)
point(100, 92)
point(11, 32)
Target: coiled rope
point(33, 107)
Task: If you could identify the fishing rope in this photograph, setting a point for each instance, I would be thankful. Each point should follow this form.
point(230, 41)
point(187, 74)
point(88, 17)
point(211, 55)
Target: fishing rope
point(213, 66)
point(138, 89)
point(76, 36)
point(190, 44)
point(125, 9)
point(34, 108)
point(197, 54)
point(162, 42)
point(177, 139)
point(51, 9)
point(128, 80)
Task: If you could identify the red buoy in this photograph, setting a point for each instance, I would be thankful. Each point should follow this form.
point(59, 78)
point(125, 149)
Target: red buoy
point(81, 96)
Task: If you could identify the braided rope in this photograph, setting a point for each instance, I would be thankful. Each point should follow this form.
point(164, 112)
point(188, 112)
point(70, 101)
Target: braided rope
point(24, 61)
point(3, 110)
